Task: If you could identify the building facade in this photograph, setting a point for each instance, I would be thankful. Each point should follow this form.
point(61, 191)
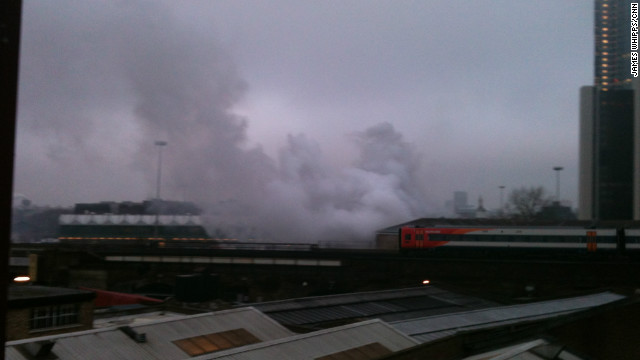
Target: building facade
point(609, 173)
point(34, 311)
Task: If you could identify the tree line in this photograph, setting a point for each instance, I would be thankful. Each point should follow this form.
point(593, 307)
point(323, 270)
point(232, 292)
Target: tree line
point(530, 203)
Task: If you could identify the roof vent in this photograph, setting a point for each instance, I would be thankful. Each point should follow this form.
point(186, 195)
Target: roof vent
point(40, 349)
point(137, 337)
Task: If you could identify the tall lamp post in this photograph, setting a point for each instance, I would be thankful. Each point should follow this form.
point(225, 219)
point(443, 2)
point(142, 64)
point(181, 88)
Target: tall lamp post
point(557, 169)
point(160, 144)
point(501, 187)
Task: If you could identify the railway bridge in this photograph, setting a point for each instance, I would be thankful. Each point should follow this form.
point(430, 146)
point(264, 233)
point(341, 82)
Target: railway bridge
point(273, 273)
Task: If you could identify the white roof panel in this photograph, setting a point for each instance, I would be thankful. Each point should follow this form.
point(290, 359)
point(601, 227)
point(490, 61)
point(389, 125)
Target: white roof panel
point(432, 327)
point(112, 343)
point(320, 343)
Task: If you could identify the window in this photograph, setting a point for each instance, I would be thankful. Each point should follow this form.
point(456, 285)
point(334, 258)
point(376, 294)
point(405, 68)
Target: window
point(205, 344)
point(53, 316)
point(437, 237)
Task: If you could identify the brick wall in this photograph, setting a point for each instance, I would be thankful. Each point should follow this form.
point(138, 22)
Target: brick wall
point(18, 323)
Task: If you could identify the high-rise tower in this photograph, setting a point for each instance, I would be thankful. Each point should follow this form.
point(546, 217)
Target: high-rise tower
point(608, 143)
point(612, 44)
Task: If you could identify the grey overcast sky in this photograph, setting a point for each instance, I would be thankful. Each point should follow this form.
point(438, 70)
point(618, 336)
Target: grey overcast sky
point(345, 111)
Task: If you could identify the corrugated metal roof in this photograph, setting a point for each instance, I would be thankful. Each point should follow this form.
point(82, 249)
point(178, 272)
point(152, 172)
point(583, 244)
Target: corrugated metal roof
point(111, 343)
point(303, 303)
point(519, 351)
point(388, 305)
point(433, 327)
point(538, 349)
point(320, 343)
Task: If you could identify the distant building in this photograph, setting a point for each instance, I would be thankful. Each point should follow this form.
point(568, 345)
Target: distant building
point(607, 154)
point(609, 170)
point(148, 207)
point(464, 210)
point(612, 35)
point(460, 200)
point(556, 211)
point(98, 228)
point(149, 220)
point(481, 212)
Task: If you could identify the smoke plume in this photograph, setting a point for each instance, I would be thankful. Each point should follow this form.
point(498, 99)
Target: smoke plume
point(181, 88)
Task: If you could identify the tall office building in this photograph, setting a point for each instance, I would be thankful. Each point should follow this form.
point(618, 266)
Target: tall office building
point(609, 176)
point(612, 44)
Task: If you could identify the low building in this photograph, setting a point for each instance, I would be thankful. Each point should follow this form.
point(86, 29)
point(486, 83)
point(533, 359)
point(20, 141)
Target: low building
point(173, 338)
point(35, 311)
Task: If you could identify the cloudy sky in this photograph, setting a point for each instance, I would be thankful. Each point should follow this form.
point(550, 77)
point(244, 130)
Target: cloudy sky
point(341, 111)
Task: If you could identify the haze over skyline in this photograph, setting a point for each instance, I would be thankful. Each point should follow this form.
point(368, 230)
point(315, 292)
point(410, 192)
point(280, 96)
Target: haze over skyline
point(329, 112)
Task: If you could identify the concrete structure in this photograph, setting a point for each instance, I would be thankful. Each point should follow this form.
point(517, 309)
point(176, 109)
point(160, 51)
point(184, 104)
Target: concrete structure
point(609, 173)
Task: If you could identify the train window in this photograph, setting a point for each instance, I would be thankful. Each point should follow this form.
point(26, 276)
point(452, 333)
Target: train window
point(407, 236)
point(632, 239)
point(420, 237)
point(437, 237)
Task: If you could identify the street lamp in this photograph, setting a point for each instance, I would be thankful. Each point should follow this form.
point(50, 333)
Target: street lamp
point(501, 187)
point(557, 169)
point(159, 144)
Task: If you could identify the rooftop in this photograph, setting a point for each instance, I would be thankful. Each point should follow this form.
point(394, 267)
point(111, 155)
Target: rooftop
point(354, 341)
point(434, 327)
point(171, 338)
point(20, 296)
point(388, 305)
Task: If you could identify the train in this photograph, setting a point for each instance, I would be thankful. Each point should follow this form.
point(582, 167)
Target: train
point(512, 240)
point(449, 237)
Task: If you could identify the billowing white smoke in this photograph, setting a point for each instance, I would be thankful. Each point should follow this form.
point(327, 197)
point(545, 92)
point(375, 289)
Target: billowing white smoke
point(309, 201)
point(185, 92)
point(181, 87)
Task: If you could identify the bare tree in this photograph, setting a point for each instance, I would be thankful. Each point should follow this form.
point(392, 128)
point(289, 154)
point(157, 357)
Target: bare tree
point(525, 203)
